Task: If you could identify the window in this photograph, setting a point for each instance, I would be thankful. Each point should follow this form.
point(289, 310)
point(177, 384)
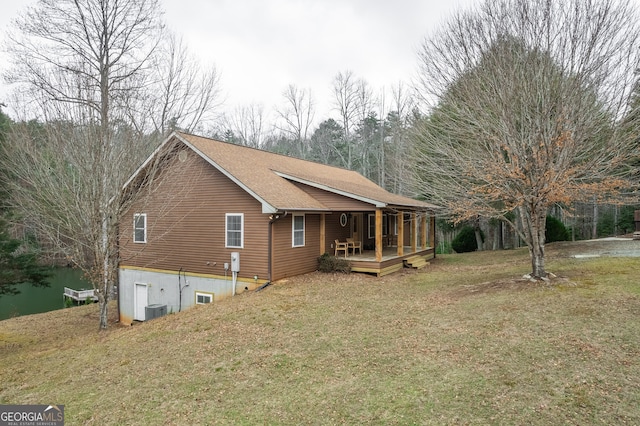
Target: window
point(298, 230)
point(372, 226)
point(234, 230)
point(140, 228)
point(343, 220)
point(203, 298)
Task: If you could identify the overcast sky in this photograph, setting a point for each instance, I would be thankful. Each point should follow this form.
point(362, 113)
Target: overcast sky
point(262, 46)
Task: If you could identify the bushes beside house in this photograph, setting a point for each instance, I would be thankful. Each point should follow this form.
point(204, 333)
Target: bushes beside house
point(329, 263)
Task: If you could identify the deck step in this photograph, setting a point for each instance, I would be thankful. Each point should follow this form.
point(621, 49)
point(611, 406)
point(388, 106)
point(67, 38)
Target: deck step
point(416, 262)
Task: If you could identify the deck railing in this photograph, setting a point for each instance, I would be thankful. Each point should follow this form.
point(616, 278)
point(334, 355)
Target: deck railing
point(79, 295)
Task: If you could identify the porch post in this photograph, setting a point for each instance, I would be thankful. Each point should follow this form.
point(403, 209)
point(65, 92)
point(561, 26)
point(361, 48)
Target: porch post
point(378, 235)
point(432, 236)
point(400, 221)
point(323, 232)
point(423, 230)
point(414, 232)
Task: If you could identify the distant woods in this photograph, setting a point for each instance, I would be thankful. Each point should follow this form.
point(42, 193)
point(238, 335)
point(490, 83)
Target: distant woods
point(368, 129)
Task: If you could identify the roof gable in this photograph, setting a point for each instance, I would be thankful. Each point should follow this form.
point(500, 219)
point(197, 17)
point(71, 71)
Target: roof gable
point(269, 177)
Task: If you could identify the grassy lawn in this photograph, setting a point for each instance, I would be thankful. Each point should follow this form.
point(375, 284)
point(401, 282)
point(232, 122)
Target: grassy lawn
point(464, 341)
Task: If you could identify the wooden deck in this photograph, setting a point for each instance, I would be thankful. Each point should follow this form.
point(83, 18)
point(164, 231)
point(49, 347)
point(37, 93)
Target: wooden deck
point(79, 295)
point(391, 262)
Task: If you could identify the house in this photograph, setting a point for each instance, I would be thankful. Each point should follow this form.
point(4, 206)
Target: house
point(212, 219)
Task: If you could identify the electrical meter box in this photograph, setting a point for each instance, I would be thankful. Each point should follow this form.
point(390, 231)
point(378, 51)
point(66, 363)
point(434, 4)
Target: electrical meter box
point(235, 262)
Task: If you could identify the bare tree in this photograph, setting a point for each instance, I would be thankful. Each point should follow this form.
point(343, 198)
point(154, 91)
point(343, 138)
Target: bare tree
point(399, 161)
point(82, 65)
point(345, 91)
point(392, 148)
point(381, 152)
point(370, 129)
point(297, 116)
point(187, 95)
point(245, 125)
point(525, 100)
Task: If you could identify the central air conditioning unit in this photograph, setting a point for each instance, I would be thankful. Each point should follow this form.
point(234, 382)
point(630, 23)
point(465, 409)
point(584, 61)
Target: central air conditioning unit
point(154, 311)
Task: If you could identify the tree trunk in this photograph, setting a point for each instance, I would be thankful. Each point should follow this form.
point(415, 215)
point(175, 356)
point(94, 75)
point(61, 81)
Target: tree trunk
point(103, 296)
point(103, 303)
point(533, 220)
point(477, 229)
point(479, 242)
point(537, 260)
point(594, 224)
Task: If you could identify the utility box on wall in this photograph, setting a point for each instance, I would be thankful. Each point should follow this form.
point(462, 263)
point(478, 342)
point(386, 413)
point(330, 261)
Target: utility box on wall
point(154, 311)
point(235, 262)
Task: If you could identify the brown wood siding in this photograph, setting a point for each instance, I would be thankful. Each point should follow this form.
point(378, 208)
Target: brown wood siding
point(289, 261)
point(335, 231)
point(335, 202)
point(186, 223)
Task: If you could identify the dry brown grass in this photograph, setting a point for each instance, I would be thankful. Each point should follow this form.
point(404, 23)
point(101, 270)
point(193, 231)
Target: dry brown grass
point(465, 341)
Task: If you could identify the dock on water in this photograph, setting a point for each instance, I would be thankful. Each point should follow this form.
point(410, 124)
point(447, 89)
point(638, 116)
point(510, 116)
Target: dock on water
point(79, 295)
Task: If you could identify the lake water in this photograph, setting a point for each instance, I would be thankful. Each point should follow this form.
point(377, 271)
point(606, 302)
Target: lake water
point(33, 300)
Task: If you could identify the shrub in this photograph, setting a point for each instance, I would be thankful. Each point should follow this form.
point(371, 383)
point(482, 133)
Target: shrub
point(328, 263)
point(465, 241)
point(555, 230)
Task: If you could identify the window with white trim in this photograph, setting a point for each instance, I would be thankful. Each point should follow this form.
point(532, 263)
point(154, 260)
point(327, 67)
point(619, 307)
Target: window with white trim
point(203, 298)
point(140, 228)
point(297, 230)
point(234, 230)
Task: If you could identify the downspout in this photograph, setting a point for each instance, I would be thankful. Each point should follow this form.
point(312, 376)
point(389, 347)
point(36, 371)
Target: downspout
point(272, 219)
point(181, 274)
point(179, 291)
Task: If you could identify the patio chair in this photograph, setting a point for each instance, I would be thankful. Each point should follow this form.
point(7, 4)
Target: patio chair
point(353, 245)
point(341, 247)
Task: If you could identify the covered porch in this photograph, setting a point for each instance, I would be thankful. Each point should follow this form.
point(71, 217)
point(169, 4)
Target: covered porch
point(390, 238)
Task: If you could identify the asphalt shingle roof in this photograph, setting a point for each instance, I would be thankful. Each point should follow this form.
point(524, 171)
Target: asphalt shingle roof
point(268, 176)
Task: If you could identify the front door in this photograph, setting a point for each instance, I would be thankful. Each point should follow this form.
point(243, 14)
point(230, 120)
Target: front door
point(140, 302)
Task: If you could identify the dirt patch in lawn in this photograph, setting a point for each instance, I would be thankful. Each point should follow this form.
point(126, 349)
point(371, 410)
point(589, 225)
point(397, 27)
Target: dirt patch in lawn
point(511, 285)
